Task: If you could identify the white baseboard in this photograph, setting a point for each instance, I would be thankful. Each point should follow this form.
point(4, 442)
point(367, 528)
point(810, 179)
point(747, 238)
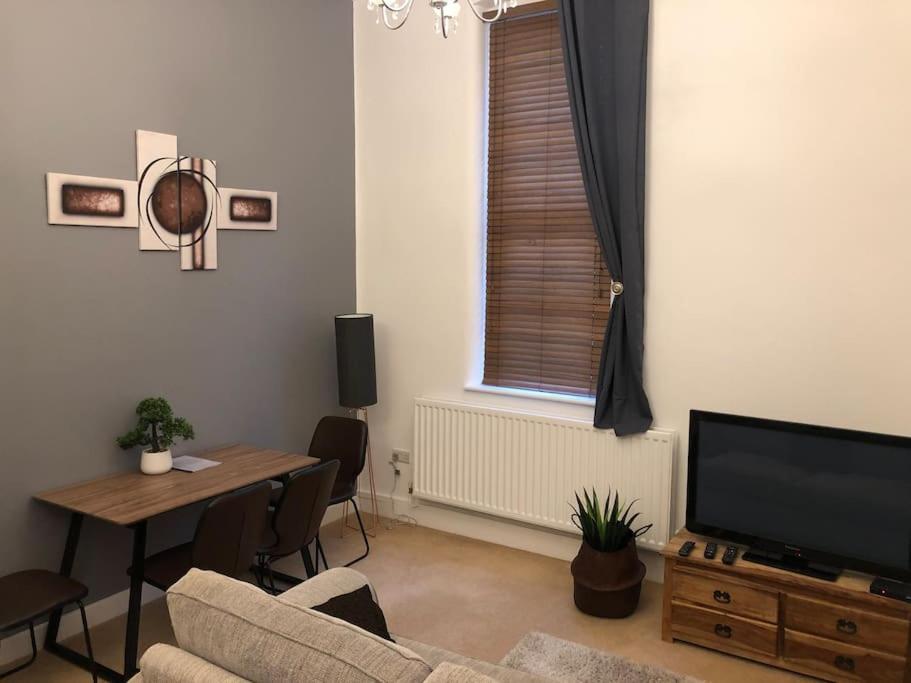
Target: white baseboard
point(19, 646)
point(504, 532)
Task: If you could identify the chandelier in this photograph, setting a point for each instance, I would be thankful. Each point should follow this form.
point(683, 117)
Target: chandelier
point(394, 13)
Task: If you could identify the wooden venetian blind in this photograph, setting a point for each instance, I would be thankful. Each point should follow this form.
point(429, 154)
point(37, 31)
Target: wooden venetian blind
point(548, 294)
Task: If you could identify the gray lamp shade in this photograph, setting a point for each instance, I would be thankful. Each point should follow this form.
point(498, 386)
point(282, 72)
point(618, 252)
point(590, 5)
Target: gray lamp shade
point(356, 360)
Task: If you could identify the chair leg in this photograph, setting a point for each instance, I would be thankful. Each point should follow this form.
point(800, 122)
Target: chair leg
point(308, 562)
point(320, 553)
point(271, 578)
point(363, 533)
point(88, 641)
point(259, 572)
point(31, 632)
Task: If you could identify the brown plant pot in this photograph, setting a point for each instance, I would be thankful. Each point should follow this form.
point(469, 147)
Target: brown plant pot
point(607, 584)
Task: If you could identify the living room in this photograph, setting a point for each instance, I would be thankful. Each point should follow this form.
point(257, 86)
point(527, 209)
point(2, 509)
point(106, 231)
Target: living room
point(762, 240)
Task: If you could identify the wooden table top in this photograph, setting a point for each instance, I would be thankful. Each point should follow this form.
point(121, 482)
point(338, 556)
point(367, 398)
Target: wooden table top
point(130, 497)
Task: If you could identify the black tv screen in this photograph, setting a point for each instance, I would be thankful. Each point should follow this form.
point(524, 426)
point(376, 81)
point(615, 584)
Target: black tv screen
point(832, 496)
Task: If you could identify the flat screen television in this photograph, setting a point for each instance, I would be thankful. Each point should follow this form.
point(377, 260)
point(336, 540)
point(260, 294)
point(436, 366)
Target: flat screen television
point(811, 499)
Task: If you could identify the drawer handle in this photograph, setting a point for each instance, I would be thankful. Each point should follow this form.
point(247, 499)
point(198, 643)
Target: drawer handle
point(844, 663)
point(722, 596)
point(723, 630)
point(846, 626)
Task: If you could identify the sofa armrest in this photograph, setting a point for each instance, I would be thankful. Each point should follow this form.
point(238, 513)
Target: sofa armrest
point(327, 585)
point(166, 664)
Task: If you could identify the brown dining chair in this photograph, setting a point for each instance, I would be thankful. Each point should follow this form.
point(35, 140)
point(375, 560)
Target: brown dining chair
point(226, 540)
point(294, 523)
point(33, 593)
point(343, 439)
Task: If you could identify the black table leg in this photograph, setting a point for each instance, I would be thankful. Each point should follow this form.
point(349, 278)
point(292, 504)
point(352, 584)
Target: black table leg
point(53, 624)
point(66, 568)
point(137, 572)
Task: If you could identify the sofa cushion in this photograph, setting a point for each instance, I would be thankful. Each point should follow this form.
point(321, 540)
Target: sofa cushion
point(262, 638)
point(330, 593)
point(167, 664)
point(326, 585)
point(435, 656)
point(358, 608)
point(453, 673)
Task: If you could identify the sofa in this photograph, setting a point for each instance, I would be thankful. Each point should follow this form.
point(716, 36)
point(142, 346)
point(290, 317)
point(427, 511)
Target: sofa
point(229, 631)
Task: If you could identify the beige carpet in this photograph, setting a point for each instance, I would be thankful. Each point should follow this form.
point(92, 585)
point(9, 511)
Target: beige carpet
point(471, 597)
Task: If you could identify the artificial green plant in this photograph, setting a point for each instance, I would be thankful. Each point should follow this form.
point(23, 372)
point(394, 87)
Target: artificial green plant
point(157, 427)
point(608, 529)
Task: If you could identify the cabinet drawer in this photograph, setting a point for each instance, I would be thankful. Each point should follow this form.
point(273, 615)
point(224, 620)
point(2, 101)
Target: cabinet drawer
point(723, 631)
point(733, 598)
point(840, 661)
point(847, 625)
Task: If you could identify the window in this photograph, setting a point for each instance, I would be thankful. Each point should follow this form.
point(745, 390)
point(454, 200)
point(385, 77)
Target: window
point(548, 294)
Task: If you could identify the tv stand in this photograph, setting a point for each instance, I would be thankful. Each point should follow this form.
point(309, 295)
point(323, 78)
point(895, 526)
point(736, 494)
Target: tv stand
point(834, 630)
point(791, 563)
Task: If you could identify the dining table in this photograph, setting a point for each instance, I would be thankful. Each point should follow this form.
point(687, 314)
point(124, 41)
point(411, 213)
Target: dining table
point(131, 499)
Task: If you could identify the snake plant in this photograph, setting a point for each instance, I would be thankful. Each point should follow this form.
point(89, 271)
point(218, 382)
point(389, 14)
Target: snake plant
point(610, 529)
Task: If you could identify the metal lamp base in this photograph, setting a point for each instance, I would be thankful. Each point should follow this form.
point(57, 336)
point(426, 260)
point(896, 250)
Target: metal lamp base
point(374, 517)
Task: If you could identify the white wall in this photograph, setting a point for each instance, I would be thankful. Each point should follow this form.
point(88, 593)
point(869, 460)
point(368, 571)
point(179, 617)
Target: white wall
point(778, 219)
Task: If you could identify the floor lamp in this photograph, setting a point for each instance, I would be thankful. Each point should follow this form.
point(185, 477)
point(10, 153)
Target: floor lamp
point(357, 385)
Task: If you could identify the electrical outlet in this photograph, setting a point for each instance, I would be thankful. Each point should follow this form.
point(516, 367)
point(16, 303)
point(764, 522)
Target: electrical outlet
point(399, 455)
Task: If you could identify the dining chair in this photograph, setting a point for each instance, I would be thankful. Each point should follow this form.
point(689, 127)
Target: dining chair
point(227, 537)
point(343, 439)
point(33, 593)
point(293, 525)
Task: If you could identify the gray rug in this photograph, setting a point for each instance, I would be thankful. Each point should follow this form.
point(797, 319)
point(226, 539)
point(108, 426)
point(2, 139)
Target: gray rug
point(561, 660)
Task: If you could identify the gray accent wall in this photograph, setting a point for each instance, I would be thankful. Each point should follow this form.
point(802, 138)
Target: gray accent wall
point(88, 324)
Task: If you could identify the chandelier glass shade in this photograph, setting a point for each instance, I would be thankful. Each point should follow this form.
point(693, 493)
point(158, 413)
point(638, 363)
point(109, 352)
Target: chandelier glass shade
point(394, 13)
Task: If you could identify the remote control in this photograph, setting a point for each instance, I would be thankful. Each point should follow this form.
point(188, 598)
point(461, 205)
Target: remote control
point(710, 551)
point(730, 554)
point(686, 549)
point(891, 589)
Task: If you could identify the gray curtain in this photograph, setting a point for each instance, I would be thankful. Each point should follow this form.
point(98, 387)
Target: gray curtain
point(606, 48)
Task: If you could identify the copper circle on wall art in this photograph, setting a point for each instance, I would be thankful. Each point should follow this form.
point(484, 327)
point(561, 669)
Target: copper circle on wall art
point(184, 188)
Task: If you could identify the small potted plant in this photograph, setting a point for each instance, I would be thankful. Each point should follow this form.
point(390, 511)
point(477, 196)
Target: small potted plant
point(607, 572)
point(158, 429)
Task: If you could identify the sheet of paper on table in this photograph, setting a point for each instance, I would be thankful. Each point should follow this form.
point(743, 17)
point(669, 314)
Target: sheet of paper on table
point(189, 463)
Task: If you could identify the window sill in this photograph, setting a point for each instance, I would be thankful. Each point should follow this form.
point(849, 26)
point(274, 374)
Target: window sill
point(527, 393)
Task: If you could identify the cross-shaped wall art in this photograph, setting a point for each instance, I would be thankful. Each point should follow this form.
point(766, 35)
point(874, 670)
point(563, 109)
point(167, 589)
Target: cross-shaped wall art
point(174, 201)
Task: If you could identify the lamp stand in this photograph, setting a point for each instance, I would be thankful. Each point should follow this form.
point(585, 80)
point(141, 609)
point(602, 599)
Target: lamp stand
point(370, 528)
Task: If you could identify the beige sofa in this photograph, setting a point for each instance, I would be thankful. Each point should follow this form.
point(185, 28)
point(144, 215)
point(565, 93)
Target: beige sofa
point(229, 631)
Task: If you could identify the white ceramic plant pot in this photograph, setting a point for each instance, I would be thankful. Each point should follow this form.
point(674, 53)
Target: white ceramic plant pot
point(155, 463)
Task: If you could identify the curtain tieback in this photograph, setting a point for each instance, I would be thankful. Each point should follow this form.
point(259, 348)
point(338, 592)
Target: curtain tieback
point(616, 289)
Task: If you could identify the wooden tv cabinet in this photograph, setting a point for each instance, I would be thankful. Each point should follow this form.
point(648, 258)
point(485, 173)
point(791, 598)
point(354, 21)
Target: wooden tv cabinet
point(836, 631)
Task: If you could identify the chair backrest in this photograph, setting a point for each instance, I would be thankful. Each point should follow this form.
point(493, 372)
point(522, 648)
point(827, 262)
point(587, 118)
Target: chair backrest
point(343, 439)
point(299, 512)
point(230, 529)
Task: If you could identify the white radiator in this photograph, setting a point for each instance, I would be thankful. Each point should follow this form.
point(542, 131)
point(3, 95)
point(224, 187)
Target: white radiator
point(526, 467)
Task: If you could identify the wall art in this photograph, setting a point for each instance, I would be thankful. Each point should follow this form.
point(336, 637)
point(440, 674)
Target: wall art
point(175, 202)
